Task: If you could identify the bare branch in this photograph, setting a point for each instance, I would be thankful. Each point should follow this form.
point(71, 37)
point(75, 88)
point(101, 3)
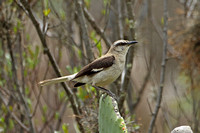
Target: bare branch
point(141, 90)
point(96, 28)
point(163, 65)
point(125, 78)
point(13, 115)
point(60, 116)
point(15, 79)
point(119, 20)
point(26, 7)
point(83, 27)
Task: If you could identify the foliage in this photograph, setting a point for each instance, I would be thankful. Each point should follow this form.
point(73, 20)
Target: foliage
point(24, 61)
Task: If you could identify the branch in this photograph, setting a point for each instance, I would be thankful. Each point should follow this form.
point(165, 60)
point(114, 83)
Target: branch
point(119, 19)
point(83, 27)
point(125, 78)
point(13, 115)
point(26, 7)
point(15, 79)
point(178, 99)
point(94, 25)
point(163, 65)
point(141, 90)
point(61, 116)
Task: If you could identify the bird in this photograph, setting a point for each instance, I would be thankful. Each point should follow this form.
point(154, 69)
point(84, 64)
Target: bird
point(102, 71)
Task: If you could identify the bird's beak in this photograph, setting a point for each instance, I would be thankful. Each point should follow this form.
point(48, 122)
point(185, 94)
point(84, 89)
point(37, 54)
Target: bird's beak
point(132, 42)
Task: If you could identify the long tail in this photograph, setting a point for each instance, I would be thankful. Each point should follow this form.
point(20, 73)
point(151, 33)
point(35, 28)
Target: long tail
point(57, 80)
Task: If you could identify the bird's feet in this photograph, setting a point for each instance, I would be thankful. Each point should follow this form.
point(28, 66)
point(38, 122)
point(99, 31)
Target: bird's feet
point(108, 92)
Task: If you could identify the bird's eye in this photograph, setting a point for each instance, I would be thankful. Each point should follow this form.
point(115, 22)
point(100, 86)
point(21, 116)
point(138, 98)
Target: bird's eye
point(120, 44)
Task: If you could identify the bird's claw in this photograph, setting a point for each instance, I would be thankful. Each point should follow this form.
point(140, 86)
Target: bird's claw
point(112, 95)
point(108, 92)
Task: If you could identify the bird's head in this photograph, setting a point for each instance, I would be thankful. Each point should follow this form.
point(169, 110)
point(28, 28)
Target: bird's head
point(121, 46)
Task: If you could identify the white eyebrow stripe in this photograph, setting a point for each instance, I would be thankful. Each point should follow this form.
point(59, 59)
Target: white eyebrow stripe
point(121, 41)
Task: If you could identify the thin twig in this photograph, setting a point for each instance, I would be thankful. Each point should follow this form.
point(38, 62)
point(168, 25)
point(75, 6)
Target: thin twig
point(149, 105)
point(178, 98)
point(15, 79)
point(13, 115)
point(163, 66)
point(37, 103)
point(96, 27)
point(120, 19)
point(166, 116)
point(84, 32)
point(125, 78)
point(61, 116)
point(141, 90)
point(22, 71)
point(26, 7)
point(194, 102)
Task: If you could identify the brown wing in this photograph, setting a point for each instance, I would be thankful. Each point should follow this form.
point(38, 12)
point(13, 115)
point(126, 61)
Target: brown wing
point(96, 66)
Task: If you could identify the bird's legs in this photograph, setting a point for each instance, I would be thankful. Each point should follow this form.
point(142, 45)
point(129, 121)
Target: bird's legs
point(108, 92)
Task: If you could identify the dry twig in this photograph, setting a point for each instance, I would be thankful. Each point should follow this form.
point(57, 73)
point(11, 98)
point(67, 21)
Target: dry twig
point(27, 9)
point(162, 73)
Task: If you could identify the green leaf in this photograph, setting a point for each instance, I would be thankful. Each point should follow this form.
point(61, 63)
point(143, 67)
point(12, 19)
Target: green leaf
point(27, 37)
point(103, 11)
point(44, 108)
point(65, 128)
point(3, 108)
point(79, 53)
point(11, 124)
point(97, 42)
point(87, 3)
point(57, 114)
point(2, 119)
point(27, 91)
point(15, 29)
point(2, 82)
point(29, 102)
point(99, 48)
point(43, 119)
point(30, 51)
point(46, 12)
point(136, 126)
point(10, 2)
point(46, 4)
point(25, 72)
point(17, 26)
point(162, 21)
point(130, 23)
point(105, 2)
point(75, 69)
point(10, 108)
point(61, 95)
point(36, 53)
point(69, 69)
point(62, 14)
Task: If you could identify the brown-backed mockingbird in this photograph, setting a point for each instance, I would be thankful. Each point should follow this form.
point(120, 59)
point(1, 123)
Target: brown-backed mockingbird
point(102, 71)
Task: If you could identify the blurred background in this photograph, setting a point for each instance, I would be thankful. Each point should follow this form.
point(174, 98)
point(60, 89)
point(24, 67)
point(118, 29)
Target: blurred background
point(43, 39)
